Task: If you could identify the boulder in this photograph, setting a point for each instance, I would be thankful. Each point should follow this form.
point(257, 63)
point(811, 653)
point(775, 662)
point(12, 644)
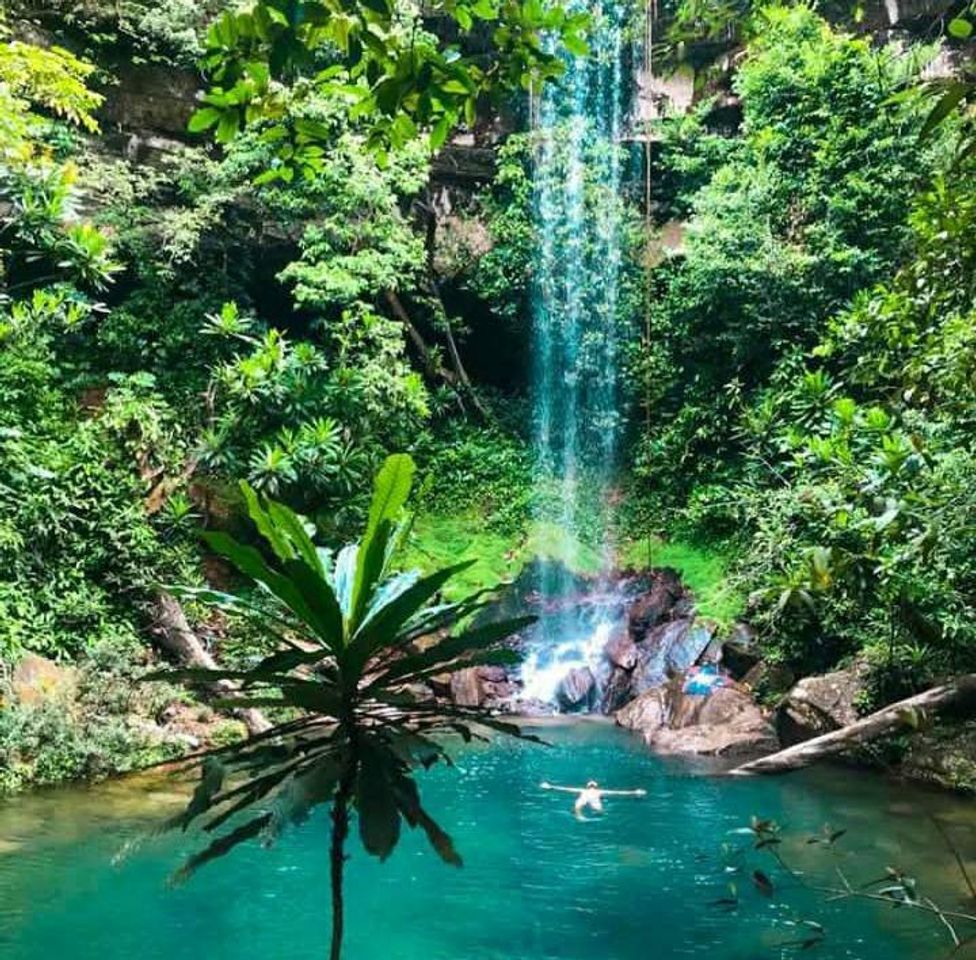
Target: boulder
point(817, 705)
point(479, 686)
point(577, 689)
point(647, 714)
point(725, 722)
point(36, 679)
point(655, 606)
point(620, 649)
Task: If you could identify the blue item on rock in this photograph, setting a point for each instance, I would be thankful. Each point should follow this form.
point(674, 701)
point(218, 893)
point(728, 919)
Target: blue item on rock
point(701, 681)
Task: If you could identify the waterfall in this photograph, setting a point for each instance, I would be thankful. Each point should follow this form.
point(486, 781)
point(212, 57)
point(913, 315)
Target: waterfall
point(578, 126)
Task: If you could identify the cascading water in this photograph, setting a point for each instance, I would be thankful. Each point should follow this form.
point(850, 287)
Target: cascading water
point(578, 128)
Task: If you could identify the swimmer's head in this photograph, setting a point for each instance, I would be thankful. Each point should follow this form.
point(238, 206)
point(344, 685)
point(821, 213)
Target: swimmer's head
point(591, 784)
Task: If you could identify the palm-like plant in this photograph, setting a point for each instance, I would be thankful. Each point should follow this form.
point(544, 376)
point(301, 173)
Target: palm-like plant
point(357, 644)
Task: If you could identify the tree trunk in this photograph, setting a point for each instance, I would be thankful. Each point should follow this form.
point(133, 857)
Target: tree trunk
point(337, 856)
point(459, 372)
point(891, 719)
point(177, 639)
point(433, 368)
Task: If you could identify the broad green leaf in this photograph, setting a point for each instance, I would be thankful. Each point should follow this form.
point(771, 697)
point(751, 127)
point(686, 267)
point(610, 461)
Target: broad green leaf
point(266, 527)
point(390, 493)
point(453, 648)
point(953, 94)
point(379, 817)
point(301, 794)
point(321, 600)
point(440, 130)
point(203, 119)
point(960, 28)
point(385, 621)
point(291, 526)
point(250, 562)
point(408, 800)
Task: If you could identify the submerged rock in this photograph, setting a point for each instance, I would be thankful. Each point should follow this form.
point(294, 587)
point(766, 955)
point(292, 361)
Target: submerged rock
point(577, 690)
point(817, 705)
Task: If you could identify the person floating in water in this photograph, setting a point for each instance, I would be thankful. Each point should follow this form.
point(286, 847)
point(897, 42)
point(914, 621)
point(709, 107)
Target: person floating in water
point(591, 795)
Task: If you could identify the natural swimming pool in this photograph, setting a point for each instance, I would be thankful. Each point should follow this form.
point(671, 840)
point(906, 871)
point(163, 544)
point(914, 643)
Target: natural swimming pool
point(640, 882)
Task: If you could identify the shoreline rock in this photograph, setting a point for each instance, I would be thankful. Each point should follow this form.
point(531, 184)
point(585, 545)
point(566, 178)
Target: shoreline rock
point(724, 722)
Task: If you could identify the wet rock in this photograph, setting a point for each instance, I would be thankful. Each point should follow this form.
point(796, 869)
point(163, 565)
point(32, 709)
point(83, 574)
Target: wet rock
point(36, 680)
point(152, 97)
point(774, 678)
point(618, 690)
point(655, 606)
point(483, 686)
point(620, 649)
point(668, 649)
point(818, 705)
point(577, 689)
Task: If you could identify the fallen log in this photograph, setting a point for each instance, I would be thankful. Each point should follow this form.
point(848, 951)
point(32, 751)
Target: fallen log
point(891, 719)
point(178, 639)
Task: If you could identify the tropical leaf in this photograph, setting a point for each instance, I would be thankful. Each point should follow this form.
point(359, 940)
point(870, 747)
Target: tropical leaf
point(452, 648)
point(390, 493)
point(302, 793)
point(250, 562)
point(408, 801)
point(379, 816)
point(953, 93)
point(387, 620)
point(319, 597)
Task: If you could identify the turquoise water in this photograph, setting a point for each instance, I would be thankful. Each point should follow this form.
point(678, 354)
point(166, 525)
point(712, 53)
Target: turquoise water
point(536, 883)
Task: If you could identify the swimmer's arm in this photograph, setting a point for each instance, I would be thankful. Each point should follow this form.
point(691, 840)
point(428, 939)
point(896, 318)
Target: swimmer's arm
point(624, 793)
point(546, 785)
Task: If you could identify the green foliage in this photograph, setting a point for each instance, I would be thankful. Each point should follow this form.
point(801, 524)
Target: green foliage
point(809, 208)
point(378, 56)
point(688, 155)
point(367, 724)
point(35, 81)
point(856, 492)
point(87, 734)
point(438, 540)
